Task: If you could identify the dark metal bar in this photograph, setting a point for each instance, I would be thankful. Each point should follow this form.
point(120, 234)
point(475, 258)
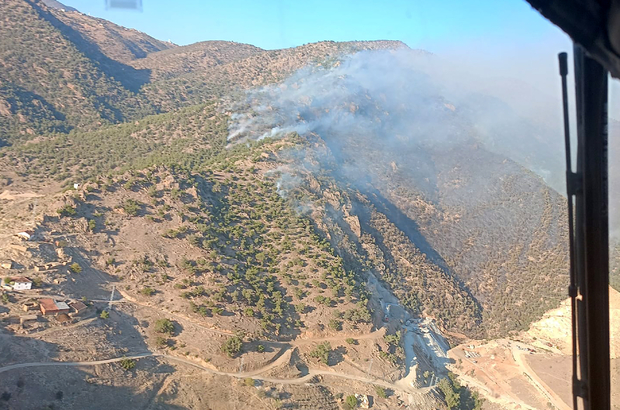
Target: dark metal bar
point(592, 232)
point(579, 310)
point(571, 191)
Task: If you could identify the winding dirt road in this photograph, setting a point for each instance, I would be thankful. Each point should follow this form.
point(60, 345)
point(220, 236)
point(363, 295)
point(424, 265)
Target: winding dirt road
point(241, 375)
point(283, 357)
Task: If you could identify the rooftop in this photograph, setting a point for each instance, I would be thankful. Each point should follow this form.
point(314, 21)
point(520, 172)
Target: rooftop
point(77, 306)
point(52, 305)
point(48, 304)
point(63, 318)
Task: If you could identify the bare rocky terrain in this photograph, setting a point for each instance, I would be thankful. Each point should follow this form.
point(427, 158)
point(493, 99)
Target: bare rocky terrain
point(533, 369)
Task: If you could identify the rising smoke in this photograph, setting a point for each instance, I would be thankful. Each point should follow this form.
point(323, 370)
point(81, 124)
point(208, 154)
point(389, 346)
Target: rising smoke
point(398, 107)
point(395, 100)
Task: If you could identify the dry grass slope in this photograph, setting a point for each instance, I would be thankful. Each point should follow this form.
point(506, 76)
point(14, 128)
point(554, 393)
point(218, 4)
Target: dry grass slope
point(48, 82)
point(194, 58)
point(116, 42)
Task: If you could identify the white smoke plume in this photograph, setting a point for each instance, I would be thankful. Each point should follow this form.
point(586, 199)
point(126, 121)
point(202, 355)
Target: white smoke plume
point(400, 97)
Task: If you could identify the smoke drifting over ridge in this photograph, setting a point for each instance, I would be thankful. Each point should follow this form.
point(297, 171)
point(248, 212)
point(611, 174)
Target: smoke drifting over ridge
point(396, 107)
point(395, 100)
point(401, 100)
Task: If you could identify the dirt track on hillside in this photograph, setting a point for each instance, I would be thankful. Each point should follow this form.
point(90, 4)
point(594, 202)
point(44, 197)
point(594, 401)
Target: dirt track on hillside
point(307, 378)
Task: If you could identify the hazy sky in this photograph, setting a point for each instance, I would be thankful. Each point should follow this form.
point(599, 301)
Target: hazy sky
point(496, 39)
point(431, 24)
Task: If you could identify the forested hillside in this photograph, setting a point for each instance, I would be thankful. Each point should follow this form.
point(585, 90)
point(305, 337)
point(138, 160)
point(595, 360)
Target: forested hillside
point(258, 69)
point(393, 177)
point(447, 256)
point(194, 58)
point(190, 136)
point(484, 221)
point(61, 70)
point(219, 244)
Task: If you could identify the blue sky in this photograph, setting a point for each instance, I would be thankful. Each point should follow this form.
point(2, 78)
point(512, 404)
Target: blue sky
point(434, 25)
point(505, 39)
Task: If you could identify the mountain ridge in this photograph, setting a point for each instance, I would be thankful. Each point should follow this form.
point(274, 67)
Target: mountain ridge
point(125, 74)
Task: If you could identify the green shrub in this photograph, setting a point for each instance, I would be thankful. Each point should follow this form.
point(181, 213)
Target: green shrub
point(203, 311)
point(75, 267)
point(393, 339)
point(232, 346)
point(350, 402)
point(131, 207)
point(66, 210)
point(322, 352)
point(161, 342)
point(451, 394)
point(104, 314)
point(147, 291)
point(335, 324)
point(164, 326)
point(127, 364)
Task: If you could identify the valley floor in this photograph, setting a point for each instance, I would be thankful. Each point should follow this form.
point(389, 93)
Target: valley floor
point(514, 374)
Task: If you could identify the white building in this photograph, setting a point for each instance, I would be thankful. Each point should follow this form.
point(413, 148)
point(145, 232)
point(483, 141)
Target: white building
point(22, 284)
point(25, 235)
